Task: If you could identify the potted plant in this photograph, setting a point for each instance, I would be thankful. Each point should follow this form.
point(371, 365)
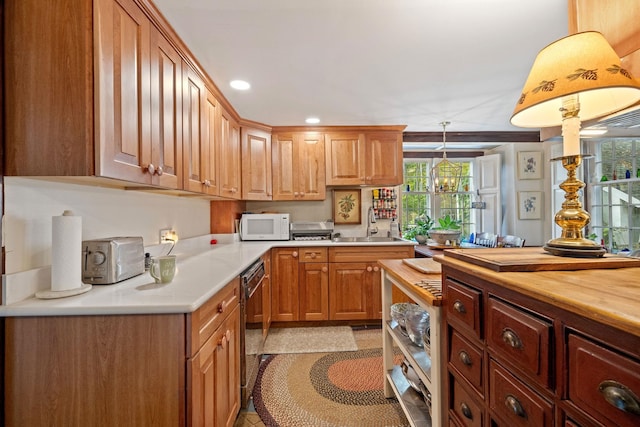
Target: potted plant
point(448, 229)
point(419, 230)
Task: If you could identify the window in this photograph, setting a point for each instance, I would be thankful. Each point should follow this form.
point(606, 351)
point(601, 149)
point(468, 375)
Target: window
point(615, 194)
point(416, 199)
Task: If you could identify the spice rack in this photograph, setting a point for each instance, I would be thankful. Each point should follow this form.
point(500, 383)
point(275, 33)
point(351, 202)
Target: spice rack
point(384, 202)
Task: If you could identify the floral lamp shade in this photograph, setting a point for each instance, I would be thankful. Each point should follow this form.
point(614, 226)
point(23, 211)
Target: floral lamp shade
point(583, 64)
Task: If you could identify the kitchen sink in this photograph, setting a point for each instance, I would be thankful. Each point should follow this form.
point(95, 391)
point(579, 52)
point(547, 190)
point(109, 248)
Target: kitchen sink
point(366, 239)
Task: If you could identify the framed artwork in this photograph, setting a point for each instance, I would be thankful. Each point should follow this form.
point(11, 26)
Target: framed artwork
point(346, 206)
point(530, 204)
point(530, 165)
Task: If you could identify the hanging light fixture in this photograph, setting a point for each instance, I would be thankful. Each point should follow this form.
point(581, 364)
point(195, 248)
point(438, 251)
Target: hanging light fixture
point(445, 176)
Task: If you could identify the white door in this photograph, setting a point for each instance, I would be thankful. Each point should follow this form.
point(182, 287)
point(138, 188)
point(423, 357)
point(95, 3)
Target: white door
point(488, 181)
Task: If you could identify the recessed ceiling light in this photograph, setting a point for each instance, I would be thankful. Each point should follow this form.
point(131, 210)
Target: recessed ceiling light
point(312, 120)
point(240, 85)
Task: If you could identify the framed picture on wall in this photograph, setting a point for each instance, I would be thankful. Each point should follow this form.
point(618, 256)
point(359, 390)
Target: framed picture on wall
point(530, 165)
point(346, 206)
point(530, 205)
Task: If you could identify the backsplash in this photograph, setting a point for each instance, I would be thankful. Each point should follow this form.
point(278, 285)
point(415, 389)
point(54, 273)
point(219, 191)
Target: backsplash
point(30, 204)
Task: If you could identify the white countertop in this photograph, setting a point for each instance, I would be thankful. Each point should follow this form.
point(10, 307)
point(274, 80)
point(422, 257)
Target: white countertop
point(199, 276)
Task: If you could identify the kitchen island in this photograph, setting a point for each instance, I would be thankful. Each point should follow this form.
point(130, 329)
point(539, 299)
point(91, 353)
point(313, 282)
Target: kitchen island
point(537, 340)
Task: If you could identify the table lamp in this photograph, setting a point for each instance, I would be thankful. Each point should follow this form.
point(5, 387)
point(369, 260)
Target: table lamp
point(579, 77)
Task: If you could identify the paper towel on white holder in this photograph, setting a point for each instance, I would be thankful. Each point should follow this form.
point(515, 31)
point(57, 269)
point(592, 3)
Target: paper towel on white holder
point(66, 257)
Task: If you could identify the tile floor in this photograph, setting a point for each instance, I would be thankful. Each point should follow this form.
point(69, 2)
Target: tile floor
point(248, 417)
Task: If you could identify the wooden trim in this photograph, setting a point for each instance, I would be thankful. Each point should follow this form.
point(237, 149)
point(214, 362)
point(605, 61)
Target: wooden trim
point(439, 154)
point(394, 128)
point(255, 125)
point(501, 137)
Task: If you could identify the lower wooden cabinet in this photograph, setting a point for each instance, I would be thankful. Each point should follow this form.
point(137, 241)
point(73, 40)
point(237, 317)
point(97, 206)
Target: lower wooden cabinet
point(329, 283)
point(125, 370)
point(214, 377)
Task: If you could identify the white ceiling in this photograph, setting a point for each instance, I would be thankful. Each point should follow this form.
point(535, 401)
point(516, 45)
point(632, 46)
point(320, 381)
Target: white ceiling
point(371, 62)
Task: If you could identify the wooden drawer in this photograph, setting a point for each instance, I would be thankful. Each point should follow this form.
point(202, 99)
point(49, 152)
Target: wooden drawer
point(369, 253)
point(466, 410)
point(602, 382)
point(206, 319)
point(514, 402)
point(313, 255)
point(467, 359)
point(464, 306)
point(521, 338)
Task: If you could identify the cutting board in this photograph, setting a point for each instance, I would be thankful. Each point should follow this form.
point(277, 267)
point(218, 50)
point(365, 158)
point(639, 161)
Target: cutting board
point(536, 259)
point(424, 265)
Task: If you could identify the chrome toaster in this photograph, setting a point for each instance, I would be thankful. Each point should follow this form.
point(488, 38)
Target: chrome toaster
point(111, 260)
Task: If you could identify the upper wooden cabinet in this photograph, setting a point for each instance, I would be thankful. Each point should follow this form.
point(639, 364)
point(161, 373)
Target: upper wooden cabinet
point(256, 163)
point(617, 21)
point(229, 166)
point(298, 166)
point(364, 157)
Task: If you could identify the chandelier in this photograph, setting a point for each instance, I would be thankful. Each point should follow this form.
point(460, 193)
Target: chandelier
point(445, 176)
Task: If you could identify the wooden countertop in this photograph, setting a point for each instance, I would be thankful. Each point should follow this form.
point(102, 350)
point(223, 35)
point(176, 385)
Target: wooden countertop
point(610, 296)
point(408, 276)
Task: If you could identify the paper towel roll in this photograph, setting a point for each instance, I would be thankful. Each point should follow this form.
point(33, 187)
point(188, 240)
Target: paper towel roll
point(66, 252)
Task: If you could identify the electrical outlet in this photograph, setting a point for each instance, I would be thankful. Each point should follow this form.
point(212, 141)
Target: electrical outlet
point(165, 235)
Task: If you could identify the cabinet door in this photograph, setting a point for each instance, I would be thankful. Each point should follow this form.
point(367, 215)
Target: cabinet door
point(214, 392)
point(314, 291)
point(166, 114)
point(383, 158)
point(211, 146)
point(311, 168)
point(298, 166)
point(123, 98)
point(349, 284)
point(194, 97)
point(375, 295)
point(284, 284)
point(344, 157)
point(230, 172)
point(256, 164)
point(284, 167)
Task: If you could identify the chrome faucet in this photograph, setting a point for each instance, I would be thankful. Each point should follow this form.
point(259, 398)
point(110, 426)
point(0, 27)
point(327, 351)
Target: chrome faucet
point(371, 219)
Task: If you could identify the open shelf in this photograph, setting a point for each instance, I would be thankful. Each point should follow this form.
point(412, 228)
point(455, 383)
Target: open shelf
point(416, 356)
point(412, 403)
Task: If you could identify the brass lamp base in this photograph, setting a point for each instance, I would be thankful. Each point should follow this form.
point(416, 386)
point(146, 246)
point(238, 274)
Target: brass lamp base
point(572, 218)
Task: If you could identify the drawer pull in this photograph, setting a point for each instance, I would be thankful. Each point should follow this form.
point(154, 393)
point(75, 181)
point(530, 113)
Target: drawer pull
point(221, 307)
point(466, 411)
point(620, 396)
point(465, 358)
point(514, 406)
point(459, 307)
point(511, 338)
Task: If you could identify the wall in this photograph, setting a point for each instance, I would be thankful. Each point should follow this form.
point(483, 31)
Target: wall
point(536, 232)
point(323, 210)
point(30, 204)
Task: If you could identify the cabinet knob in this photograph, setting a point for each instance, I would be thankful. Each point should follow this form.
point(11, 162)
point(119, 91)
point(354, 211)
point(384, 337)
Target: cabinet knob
point(369, 268)
point(459, 307)
point(466, 410)
point(620, 396)
point(295, 194)
point(150, 168)
point(223, 342)
point(302, 193)
point(221, 307)
point(206, 183)
point(376, 268)
point(511, 338)
point(465, 358)
point(514, 406)
point(159, 171)
point(313, 255)
point(294, 254)
point(325, 269)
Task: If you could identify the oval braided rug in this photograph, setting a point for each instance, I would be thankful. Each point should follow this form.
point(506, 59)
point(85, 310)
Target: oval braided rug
point(325, 389)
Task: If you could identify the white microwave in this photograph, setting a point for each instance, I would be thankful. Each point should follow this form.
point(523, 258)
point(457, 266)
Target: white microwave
point(264, 226)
